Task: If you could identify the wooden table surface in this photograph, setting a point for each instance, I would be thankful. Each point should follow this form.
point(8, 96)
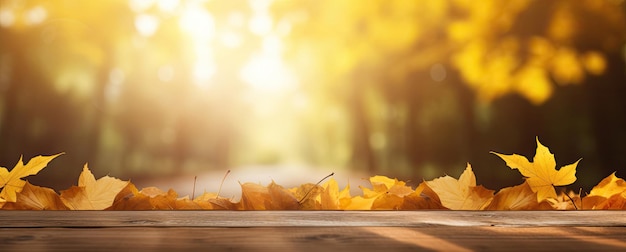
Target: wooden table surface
point(312, 230)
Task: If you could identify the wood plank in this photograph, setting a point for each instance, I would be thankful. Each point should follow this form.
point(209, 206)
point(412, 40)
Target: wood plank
point(437, 238)
point(312, 218)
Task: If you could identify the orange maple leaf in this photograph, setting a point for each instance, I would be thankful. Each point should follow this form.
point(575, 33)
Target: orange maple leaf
point(253, 197)
point(11, 182)
point(211, 201)
point(541, 174)
point(92, 194)
point(129, 198)
point(422, 198)
point(461, 194)
point(519, 197)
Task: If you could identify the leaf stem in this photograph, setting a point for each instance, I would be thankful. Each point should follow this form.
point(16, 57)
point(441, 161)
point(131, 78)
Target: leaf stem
point(307, 193)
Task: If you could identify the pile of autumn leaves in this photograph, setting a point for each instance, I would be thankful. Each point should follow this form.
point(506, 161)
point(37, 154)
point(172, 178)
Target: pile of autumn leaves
point(536, 193)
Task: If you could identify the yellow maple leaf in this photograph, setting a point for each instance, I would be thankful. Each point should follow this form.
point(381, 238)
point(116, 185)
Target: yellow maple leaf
point(11, 182)
point(386, 194)
point(461, 194)
point(332, 198)
point(609, 186)
point(605, 194)
point(389, 193)
point(92, 194)
point(541, 174)
point(36, 198)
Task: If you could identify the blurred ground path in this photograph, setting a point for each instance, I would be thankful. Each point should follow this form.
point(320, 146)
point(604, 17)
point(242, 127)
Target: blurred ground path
point(286, 176)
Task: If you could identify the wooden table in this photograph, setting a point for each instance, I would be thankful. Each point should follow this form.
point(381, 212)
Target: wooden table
point(312, 230)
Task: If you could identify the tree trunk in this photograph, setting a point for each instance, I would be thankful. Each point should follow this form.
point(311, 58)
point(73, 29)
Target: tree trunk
point(362, 154)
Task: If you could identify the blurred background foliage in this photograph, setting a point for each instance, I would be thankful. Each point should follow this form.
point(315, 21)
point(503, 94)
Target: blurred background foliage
point(408, 89)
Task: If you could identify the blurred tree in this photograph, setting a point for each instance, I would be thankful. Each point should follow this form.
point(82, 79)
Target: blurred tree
point(408, 88)
point(415, 54)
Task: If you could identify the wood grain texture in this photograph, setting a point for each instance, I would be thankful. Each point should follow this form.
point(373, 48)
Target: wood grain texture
point(312, 231)
point(311, 218)
point(314, 239)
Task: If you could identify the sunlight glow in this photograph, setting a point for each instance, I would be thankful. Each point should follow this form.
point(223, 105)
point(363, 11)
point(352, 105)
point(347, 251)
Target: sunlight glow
point(140, 5)
point(236, 19)
point(267, 73)
point(261, 24)
point(231, 39)
point(204, 67)
point(146, 24)
point(7, 18)
point(168, 5)
point(36, 15)
point(166, 73)
point(114, 87)
point(198, 22)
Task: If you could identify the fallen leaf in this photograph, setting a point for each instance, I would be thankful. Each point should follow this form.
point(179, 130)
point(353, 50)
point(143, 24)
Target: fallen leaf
point(92, 194)
point(569, 201)
point(253, 197)
point(609, 186)
point(281, 198)
point(461, 194)
point(360, 203)
point(541, 174)
point(615, 202)
point(211, 201)
point(308, 196)
point(592, 202)
point(36, 198)
point(129, 198)
point(422, 198)
point(332, 198)
point(11, 182)
point(386, 194)
point(519, 197)
point(162, 201)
